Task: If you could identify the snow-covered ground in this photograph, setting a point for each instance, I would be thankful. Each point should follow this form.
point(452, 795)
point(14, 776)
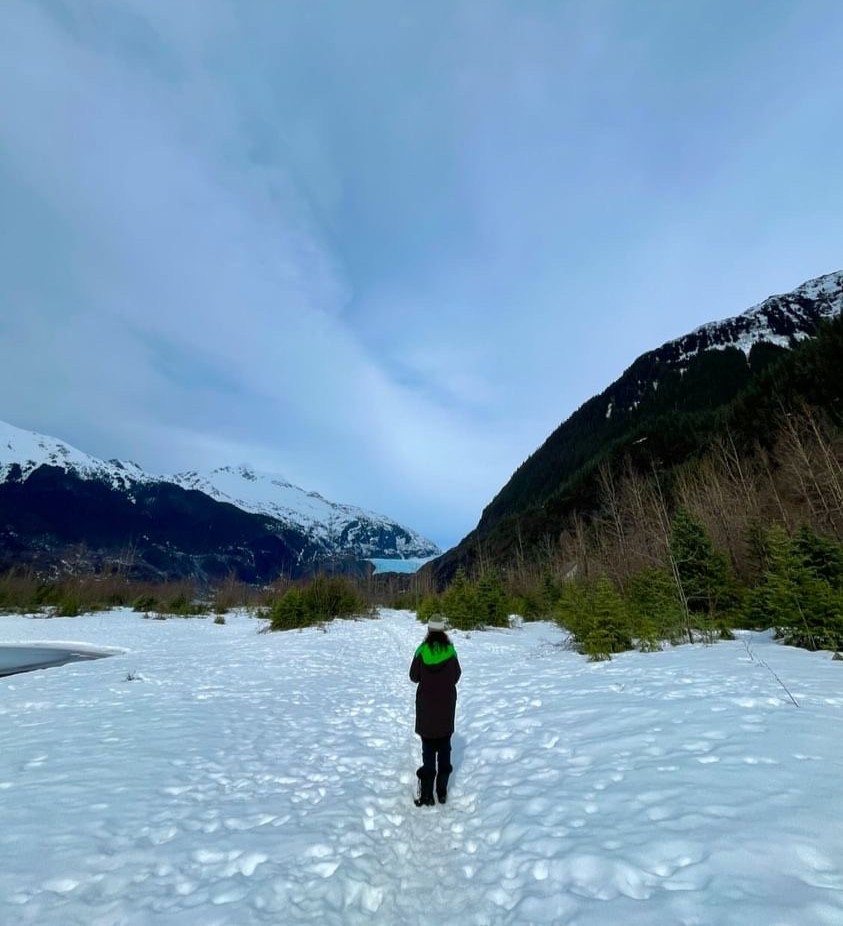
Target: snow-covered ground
point(243, 778)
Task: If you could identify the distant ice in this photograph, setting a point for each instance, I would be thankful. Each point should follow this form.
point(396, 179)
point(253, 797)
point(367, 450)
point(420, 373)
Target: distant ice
point(400, 565)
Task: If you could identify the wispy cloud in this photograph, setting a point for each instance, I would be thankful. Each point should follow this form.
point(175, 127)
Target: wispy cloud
point(383, 249)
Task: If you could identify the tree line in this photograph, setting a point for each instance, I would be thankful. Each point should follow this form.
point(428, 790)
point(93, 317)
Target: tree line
point(727, 540)
point(690, 522)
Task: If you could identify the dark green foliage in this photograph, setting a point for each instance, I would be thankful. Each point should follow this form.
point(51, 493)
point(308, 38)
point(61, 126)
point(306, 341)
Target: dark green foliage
point(703, 571)
point(323, 599)
point(699, 472)
point(291, 612)
point(572, 610)
point(534, 604)
point(763, 354)
point(427, 607)
point(801, 592)
point(68, 606)
point(491, 601)
point(655, 609)
point(597, 618)
point(602, 620)
point(334, 596)
point(470, 605)
point(679, 410)
point(182, 606)
point(821, 555)
point(459, 603)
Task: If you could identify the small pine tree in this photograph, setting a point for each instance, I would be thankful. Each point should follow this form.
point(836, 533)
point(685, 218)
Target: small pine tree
point(821, 555)
point(655, 609)
point(289, 612)
point(323, 599)
point(459, 603)
point(428, 606)
point(610, 615)
point(572, 611)
point(795, 595)
point(491, 601)
point(707, 583)
point(549, 593)
point(596, 616)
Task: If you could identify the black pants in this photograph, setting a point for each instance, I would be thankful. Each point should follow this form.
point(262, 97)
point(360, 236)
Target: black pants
point(436, 753)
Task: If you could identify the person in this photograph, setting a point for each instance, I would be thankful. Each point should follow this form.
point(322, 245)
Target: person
point(436, 670)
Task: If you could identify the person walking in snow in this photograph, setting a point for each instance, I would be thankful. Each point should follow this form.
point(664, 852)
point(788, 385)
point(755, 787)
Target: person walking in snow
point(436, 670)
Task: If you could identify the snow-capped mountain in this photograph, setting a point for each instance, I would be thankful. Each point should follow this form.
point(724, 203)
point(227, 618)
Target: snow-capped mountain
point(22, 452)
point(53, 496)
point(657, 405)
point(780, 319)
point(339, 527)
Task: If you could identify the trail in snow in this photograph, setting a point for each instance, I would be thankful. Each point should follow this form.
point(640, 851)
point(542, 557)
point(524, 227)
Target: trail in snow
point(248, 779)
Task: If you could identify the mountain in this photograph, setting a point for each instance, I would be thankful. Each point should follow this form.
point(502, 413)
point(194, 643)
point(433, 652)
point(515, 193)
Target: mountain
point(665, 407)
point(62, 509)
point(341, 530)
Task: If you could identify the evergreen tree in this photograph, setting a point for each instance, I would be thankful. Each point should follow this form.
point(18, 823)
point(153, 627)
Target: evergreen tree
point(596, 617)
point(703, 570)
point(323, 599)
point(492, 605)
point(459, 603)
point(572, 610)
point(654, 608)
point(795, 595)
point(290, 611)
point(611, 626)
point(822, 555)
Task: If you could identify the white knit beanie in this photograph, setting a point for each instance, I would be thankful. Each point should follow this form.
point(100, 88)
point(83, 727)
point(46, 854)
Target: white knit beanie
point(437, 622)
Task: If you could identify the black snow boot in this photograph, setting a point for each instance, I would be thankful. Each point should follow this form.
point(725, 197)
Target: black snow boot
point(442, 782)
point(425, 798)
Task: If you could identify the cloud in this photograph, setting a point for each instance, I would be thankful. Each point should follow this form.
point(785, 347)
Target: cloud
point(174, 296)
point(384, 249)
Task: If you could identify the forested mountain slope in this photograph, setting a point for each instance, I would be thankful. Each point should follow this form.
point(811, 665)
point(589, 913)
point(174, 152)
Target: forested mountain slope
point(738, 376)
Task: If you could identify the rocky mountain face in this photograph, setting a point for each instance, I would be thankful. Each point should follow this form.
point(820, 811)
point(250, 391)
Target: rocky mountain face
point(62, 510)
point(780, 321)
point(664, 401)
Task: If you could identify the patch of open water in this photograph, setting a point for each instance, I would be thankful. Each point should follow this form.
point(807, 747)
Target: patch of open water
point(28, 658)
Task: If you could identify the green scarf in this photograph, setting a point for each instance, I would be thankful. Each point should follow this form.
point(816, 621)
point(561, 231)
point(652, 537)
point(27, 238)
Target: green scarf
point(433, 655)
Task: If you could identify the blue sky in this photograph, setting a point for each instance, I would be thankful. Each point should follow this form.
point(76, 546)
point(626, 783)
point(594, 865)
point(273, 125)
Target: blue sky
point(384, 249)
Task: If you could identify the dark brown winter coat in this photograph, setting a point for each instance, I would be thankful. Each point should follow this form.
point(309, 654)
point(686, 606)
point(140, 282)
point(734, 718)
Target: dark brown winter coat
point(436, 671)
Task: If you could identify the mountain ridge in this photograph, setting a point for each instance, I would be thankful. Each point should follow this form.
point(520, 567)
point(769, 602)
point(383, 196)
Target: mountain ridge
point(780, 320)
point(284, 527)
point(693, 376)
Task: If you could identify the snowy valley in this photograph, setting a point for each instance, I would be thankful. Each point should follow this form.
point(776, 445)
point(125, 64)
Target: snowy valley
point(212, 774)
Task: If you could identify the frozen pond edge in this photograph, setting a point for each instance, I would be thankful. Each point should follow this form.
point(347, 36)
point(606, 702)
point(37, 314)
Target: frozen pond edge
point(16, 658)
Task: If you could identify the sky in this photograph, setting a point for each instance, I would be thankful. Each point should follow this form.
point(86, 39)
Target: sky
point(381, 249)
point(691, 786)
